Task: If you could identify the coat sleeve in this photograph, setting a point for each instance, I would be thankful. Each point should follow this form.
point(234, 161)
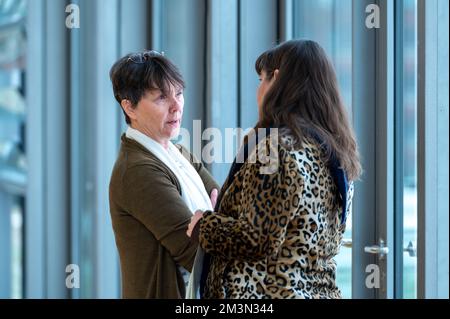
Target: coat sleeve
point(154, 200)
point(258, 226)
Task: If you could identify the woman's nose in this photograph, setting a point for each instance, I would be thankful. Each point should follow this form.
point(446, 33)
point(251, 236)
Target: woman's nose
point(176, 104)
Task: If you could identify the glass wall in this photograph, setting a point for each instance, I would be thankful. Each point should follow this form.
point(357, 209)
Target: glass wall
point(329, 22)
point(12, 146)
point(54, 208)
point(408, 136)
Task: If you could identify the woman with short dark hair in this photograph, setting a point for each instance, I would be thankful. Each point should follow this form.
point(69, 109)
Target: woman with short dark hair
point(155, 186)
point(274, 234)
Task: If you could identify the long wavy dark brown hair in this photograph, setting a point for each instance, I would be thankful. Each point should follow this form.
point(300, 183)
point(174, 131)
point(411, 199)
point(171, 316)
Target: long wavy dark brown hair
point(305, 99)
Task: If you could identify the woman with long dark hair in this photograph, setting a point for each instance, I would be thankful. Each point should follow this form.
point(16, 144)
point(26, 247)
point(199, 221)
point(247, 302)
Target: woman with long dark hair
point(274, 234)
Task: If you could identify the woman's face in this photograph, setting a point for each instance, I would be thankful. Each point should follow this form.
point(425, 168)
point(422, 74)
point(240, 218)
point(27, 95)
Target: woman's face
point(264, 85)
point(159, 116)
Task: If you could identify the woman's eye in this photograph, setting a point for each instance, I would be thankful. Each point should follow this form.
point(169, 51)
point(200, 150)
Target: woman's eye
point(180, 93)
point(162, 97)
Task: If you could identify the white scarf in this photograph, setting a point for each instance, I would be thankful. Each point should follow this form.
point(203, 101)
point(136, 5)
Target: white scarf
point(193, 191)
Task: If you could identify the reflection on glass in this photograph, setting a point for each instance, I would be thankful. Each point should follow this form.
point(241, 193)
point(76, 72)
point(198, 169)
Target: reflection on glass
point(409, 147)
point(329, 22)
point(17, 250)
point(12, 145)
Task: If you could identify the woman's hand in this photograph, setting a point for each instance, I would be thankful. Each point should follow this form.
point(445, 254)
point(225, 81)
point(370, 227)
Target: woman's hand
point(194, 220)
point(213, 197)
point(198, 214)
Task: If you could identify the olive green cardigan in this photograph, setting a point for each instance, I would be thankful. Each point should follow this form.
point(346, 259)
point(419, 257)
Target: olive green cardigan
point(150, 220)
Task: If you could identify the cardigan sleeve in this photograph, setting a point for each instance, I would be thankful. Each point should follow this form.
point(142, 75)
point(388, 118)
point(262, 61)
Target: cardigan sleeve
point(257, 227)
point(153, 199)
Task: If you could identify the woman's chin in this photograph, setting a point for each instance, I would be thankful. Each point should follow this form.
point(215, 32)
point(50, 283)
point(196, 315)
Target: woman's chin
point(174, 133)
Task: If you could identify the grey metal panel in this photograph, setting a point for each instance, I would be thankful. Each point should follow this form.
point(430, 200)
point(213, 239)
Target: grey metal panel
point(385, 145)
point(426, 174)
point(222, 101)
point(399, 158)
point(186, 47)
point(75, 125)
point(156, 29)
point(342, 39)
point(35, 211)
point(134, 25)
point(98, 127)
point(107, 113)
point(47, 210)
point(329, 23)
point(86, 157)
point(286, 20)
point(58, 143)
point(364, 112)
point(432, 190)
point(258, 32)
point(236, 38)
point(443, 147)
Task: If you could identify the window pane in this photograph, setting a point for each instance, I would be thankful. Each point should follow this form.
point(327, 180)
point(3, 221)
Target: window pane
point(329, 22)
point(12, 146)
point(409, 148)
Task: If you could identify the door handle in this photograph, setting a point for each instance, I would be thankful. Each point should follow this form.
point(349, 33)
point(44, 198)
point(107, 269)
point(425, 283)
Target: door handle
point(375, 249)
point(410, 249)
point(380, 249)
point(346, 243)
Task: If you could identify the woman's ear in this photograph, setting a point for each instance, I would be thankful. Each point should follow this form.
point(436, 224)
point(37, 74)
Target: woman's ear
point(275, 74)
point(128, 108)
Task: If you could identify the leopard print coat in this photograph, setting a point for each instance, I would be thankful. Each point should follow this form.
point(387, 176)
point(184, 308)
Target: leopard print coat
point(275, 235)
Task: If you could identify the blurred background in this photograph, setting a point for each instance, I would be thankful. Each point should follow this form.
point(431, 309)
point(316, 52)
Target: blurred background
point(60, 125)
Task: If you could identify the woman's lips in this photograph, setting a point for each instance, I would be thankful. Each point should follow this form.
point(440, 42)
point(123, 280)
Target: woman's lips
point(174, 123)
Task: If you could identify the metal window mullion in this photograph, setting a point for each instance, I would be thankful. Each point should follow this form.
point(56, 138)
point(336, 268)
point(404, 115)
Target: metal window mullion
point(285, 20)
point(47, 211)
point(75, 127)
point(105, 145)
point(255, 38)
point(34, 222)
point(426, 280)
point(385, 143)
point(57, 143)
point(364, 106)
point(432, 166)
point(398, 183)
point(222, 86)
point(5, 238)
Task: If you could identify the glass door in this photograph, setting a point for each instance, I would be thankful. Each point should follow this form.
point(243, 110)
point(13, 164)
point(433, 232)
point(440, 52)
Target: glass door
point(406, 150)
